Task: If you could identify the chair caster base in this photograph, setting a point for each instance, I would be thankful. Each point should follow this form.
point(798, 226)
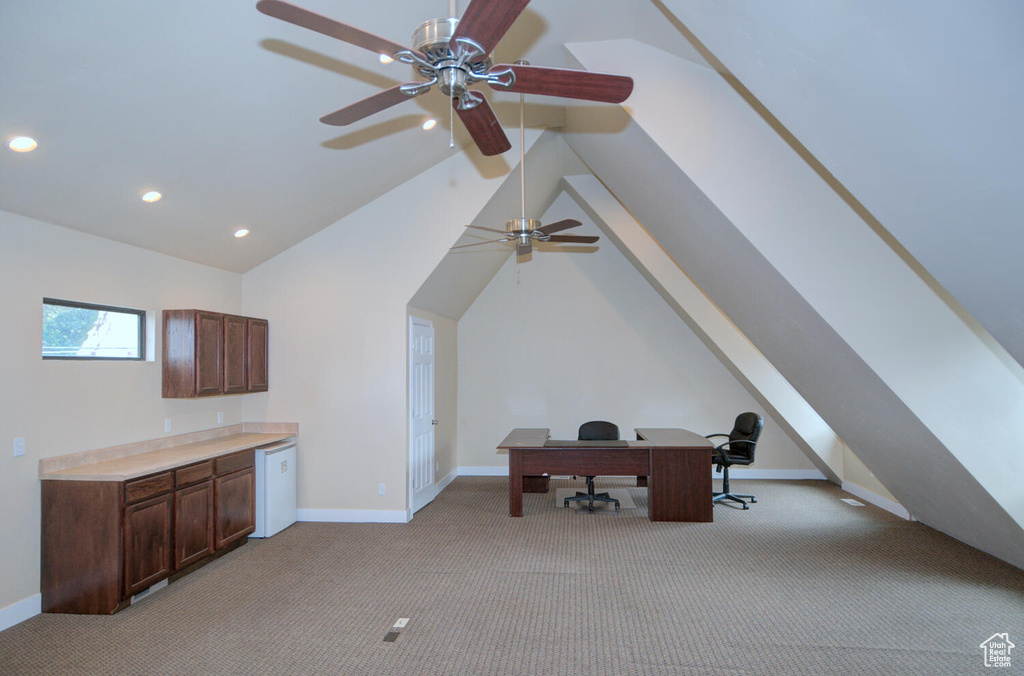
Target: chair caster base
point(590, 499)
point(734, 497)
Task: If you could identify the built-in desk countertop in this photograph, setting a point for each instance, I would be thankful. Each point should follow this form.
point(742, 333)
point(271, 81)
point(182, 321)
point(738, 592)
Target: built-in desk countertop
point(129, 461)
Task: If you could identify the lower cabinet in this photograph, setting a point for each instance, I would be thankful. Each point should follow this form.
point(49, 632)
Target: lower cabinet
point(193, 523)
point(235, 496)
point(103, 542)
point(147, 543)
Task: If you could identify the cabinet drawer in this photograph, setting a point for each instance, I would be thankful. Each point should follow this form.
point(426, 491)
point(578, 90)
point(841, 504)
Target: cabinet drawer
point(148, 487)
point(193, 473)
point(226, 464)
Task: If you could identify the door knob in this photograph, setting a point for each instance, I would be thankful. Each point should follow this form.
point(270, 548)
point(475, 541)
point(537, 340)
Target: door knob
point(433, 422)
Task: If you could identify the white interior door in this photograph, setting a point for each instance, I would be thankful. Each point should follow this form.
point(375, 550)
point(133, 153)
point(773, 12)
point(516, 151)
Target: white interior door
point(421, 413)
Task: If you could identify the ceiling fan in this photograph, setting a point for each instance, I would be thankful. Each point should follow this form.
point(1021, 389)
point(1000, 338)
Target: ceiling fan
point(523, 231)
point(454, 54)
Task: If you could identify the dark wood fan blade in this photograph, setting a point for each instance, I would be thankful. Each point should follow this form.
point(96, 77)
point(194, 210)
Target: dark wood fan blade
point(564, 82)
point(483, 126)
point(480, 227)
point(579, 239)
point(490, 241)
point(558, 226)
point(524, 249)
point(327, 26)
point(368, 106)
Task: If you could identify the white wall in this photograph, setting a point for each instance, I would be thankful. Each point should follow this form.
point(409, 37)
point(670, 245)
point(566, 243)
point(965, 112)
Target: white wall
point(569, 337)
point(62, 407)
point(337, 305)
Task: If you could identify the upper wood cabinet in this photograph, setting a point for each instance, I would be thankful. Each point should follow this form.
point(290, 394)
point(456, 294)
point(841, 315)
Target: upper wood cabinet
point(236, 333)
point(209, 353)
point(256, 368)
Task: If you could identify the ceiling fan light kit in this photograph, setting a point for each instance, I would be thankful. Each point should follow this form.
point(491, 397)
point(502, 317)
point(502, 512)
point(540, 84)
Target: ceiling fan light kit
point(454, 54)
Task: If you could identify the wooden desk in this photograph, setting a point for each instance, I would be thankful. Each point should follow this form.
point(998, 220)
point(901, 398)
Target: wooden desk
point(676, 462)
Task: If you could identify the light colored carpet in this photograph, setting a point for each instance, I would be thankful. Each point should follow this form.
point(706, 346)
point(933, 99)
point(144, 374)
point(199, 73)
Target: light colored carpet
point(801, 583)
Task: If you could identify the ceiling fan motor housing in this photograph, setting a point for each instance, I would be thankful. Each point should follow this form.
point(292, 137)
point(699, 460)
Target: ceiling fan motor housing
point(432, 39)
point(524, 229)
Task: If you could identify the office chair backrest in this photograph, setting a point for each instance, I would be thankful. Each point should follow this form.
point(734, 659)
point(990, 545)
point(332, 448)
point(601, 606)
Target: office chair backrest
point(746, 428)
point(598, 430)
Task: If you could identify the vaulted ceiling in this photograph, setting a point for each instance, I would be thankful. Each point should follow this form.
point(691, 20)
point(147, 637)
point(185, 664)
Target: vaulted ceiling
point(217, 106)
point(858, 164)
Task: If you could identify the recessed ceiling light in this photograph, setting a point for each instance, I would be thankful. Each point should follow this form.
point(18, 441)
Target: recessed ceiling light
point(152, 196)
point(429, 124)
point(385, 59)
point(241, 232)
point(22, 144)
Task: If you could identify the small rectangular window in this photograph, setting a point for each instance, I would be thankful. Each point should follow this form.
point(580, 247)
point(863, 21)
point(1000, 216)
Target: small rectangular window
point(73, 330)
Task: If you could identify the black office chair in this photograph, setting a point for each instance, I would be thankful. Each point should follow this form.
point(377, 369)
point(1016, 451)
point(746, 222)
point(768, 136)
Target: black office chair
point(739, 450)
point(595, 430)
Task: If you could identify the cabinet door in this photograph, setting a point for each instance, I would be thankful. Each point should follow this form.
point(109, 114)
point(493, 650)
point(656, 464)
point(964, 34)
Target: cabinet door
point(234, 506)
point(235, 347)
point(209, 353)
point(147, 543)
point(259, 337)
point(193, 523)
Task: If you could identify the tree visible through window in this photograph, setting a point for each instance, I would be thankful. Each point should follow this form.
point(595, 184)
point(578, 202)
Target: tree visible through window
point(73, 330)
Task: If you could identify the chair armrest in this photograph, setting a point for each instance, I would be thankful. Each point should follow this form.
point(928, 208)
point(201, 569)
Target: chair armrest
point(722, 449)
point(712, 436)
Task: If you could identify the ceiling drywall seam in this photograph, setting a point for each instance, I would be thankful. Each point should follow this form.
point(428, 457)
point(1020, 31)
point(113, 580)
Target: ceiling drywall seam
point(645, 174)
point(805, 427)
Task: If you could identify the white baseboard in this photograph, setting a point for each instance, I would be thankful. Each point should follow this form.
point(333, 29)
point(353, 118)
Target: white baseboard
point(16, 613)
point(443, 483)
point(354, 515)
point(878, 501)
point(403, 516)
point(754, 473)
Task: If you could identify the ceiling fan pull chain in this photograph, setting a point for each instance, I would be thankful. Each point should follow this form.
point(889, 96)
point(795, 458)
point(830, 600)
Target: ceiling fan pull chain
point(522, 157)
point(452, 9)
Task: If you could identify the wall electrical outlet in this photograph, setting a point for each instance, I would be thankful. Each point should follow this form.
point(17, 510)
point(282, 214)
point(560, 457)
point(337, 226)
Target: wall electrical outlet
point(220, 417)
point(19, 447)
point(380, 489)
point(167, 425)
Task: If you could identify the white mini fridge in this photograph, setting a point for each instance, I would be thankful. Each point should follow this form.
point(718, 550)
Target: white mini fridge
point(275, 488)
